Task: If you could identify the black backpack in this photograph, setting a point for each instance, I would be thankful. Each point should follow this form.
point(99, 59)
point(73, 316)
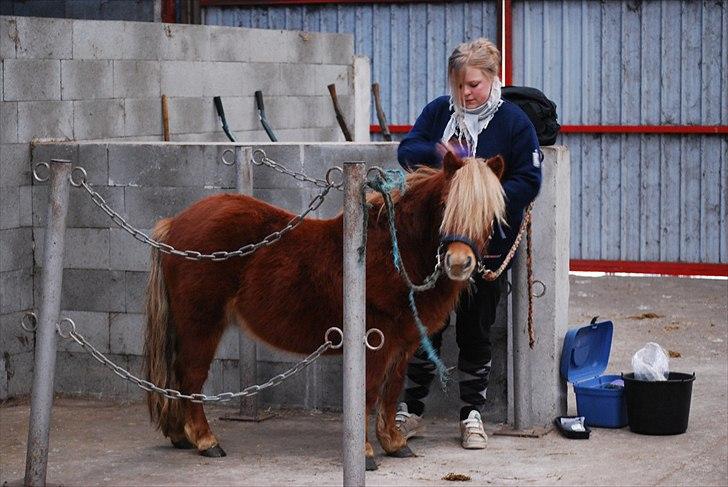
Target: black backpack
point(540, 110)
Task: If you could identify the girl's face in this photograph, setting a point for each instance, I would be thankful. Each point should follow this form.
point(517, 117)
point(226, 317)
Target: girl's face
point(475, 87)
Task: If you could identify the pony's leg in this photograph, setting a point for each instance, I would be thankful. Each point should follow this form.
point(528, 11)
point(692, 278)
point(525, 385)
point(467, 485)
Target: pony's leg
point(392, 441)
point(193, 364)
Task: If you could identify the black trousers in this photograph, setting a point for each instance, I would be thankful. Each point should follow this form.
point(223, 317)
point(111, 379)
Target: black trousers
point(475, 316)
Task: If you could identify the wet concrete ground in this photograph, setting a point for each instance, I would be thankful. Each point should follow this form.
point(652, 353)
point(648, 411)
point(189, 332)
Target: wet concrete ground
point(101, 443)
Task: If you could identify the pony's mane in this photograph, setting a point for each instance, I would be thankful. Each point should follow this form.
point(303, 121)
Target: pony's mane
point(474, 200)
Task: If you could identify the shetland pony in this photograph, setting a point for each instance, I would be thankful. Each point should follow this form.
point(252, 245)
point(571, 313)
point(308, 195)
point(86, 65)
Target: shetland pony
point(289, 293)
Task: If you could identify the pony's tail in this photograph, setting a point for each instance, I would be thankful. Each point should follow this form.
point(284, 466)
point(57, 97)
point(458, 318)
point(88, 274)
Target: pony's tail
point(159, 345)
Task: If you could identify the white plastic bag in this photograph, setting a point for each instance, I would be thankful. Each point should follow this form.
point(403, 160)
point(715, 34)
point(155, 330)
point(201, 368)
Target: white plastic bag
point(650, 363)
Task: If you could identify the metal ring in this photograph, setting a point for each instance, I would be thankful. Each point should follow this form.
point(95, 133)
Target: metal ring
point(35, 172)
point(329, 178)
point(543, 291)
point(341, 334)
point(29, 326)
point(59, 327)
point(225, 161)
point(509, 288)
point(83, 176)
point(262, 157)
point(366, 339)
point(378, 170)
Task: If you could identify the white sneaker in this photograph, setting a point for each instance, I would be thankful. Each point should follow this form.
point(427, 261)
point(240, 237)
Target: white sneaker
point(409, 424)
point(472, 434)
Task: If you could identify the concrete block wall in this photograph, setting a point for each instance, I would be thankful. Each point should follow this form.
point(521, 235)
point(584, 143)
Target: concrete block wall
point(64, 79)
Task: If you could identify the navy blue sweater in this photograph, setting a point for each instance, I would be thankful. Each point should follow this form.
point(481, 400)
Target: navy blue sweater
point(510, 133)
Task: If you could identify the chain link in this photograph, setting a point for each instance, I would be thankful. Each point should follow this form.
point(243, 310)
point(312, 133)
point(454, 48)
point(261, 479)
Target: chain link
point(192, 254)
point(71, 333)
point(264, 160)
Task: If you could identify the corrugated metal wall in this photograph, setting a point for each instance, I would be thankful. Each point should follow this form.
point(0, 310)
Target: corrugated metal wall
point(652, 62)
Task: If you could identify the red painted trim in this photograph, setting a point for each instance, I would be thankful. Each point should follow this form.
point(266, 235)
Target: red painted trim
point(664, 268)
point(169, 16)
point(508, 50)
point(606, 129)
point(644, 129)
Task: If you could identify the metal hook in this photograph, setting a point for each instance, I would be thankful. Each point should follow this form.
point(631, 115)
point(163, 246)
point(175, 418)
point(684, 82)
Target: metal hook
point(35, 172)
point(381, 338)
point(29, 322)
point(71, 330)
point(341, 334)
point(226, 161)
point(83, 177)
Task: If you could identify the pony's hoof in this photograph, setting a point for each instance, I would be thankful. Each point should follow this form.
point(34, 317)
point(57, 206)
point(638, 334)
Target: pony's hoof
point(182, 444)
point(371, 465)
point(403, 452)
point(213, 452)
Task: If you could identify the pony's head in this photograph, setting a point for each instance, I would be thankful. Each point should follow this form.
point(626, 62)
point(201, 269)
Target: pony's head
point(474, 200)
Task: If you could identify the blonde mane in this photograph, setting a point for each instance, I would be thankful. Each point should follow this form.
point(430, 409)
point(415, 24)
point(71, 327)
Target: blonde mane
point(475, 199)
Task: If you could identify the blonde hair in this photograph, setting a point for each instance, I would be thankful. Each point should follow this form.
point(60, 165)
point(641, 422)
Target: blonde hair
point(480, 53)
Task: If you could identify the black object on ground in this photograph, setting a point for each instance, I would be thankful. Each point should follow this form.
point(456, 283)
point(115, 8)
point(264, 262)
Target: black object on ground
point(573, 427)
point(659, 407)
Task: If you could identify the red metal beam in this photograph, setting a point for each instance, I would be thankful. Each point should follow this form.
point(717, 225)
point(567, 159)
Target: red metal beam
point(664, 268)
point(607, 129)
point(508, 49)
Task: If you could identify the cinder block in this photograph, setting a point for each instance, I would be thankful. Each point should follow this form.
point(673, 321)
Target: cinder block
point(84, 248)
point(13, 338)
point(136, 367)
point(146, 206)
point(155, 165)
point(78, 373)
point(185, 42)
point(45, 152)
point(16, 290)
point(127, 253)
point(292, 393)
point(143, 116)
point(9, 207)
point(241, 114)
point(331, 383)
point(126, 333)
point(94, 327)
point(231, 376)
point(93, 290)
point(317, 134)
point(137, 79)
point(313, 79)
point(3, 377)
point(82, 212)
point(94, 158)
point(25, 210)
point(223, 79)
point(19, 369)
point(97, 39)
point(320, 157)
point(87, 79)
point(258, 43)
point(192, 115)
point(265, 77)
point(213, 383)
point(136, 290)
point(45, 120)
point(183, 78)
point(9, 37)
point(303, 112)
point(323, 48)
point(228, 346)
point(226, 44)
point(288, 156)
point(217, 174)
point(32, 79)
point(43, 38)
point(98, 119)
point(17, 245)
point(142, 40)
point(332, 205)
point(8, 122)
point(266, 353)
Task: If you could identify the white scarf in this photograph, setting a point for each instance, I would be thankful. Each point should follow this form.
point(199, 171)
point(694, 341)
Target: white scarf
point(466, 123)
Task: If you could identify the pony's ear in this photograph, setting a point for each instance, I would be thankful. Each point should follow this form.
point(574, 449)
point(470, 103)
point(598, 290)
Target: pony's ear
point(451, 163)
point(497, 165)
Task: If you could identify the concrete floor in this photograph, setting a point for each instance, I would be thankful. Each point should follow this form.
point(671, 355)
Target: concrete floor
point(101, 443)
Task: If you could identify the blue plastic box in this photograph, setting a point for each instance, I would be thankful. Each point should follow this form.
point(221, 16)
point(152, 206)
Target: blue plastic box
point(583, 359)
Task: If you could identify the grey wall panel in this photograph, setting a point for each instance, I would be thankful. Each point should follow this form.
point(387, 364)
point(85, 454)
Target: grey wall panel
point(136, 10)
point(407, 44)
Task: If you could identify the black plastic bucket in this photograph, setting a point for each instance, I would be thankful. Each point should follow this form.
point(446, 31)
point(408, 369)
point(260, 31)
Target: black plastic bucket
point(658, 408)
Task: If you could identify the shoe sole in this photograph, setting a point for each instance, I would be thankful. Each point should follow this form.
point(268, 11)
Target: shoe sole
point(480, 446)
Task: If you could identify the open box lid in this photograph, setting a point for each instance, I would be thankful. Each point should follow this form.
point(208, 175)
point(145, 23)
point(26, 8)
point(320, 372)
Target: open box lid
point(586, 351)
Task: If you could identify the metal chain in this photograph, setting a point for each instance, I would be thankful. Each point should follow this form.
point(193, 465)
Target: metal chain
point(192, 254)
point(175, 394)
point(266, 161)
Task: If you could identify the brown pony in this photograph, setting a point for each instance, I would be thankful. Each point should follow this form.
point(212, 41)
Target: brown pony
point(289, 293)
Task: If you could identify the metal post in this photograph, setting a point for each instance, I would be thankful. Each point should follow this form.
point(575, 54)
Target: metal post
point(519, 334)
point(354, 325)
point(36, 460)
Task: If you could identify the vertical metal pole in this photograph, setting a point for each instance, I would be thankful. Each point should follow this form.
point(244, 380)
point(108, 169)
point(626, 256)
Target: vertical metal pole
point(522, 417)
point(36, 460)
point(354, 435)
point(247, 352)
